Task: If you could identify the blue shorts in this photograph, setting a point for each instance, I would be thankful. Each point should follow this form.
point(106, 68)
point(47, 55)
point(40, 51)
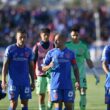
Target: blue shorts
point(107, 95)
point(15, 91)
point(66, 95)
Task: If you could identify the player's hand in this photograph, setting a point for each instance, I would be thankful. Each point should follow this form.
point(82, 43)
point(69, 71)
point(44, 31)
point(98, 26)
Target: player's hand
point(48, 73)
point(51, 64)
point(32, 87)
point(4, 85)
point(97, 79)
point(77, 85)
point(96, 75)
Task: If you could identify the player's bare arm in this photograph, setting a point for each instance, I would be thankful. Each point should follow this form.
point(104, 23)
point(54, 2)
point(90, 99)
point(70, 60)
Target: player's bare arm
point(95, 73)
point(105, 67)
point(47, 67)
point(4, 72)
point(31, 71)
point(76, 74)
point(89, 63)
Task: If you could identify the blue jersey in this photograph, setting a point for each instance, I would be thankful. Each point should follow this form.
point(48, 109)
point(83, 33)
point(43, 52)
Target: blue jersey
point(18, 68)
point(106, 57)
point(61, 71)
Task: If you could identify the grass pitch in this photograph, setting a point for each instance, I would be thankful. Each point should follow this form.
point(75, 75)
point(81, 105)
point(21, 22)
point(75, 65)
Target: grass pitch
point(95, 97)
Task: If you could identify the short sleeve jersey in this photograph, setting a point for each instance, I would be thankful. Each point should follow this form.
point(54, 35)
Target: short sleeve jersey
point(82, 53)
point(61, 71)
point(106, 57)
point(18, 69)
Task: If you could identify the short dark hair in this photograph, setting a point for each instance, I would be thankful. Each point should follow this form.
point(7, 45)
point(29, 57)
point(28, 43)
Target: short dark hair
point(21, 30)
point(76, 28)
point(45, 30)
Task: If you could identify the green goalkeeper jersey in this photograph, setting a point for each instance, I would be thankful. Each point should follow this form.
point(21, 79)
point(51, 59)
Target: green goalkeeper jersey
point(82, 53)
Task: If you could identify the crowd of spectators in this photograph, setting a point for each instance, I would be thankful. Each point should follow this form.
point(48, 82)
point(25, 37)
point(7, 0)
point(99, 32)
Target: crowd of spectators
point(34, 19)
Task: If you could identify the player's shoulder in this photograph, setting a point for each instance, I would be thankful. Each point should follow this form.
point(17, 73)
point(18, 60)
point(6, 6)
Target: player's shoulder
point(28, 49)
point(52, 50)
point(68, 42)
point(70, 51)
point(36, 44)
point(107, 47)
point(82, 44)
point(11, 47)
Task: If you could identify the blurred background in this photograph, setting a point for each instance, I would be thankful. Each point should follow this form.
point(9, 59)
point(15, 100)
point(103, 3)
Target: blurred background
point(93, 16)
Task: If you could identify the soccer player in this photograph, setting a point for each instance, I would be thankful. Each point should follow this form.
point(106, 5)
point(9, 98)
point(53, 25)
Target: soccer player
point(59, 60)
point(106, 67)
point(18, 63)
point(40, 49)
point(82, 55)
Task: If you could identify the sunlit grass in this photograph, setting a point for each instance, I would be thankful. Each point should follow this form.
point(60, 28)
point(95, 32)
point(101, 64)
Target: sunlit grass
point(95, 97)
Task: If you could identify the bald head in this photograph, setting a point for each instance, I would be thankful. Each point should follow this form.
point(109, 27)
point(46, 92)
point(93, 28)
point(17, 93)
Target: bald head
point(60, 40)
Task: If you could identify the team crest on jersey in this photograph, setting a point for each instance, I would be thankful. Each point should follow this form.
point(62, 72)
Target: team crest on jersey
point(70, 94)
point(67, 55)
point(27, 90)
point(26, 54)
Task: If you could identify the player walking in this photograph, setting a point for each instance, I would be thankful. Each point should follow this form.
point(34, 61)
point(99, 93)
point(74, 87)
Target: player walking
point(59, 60)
